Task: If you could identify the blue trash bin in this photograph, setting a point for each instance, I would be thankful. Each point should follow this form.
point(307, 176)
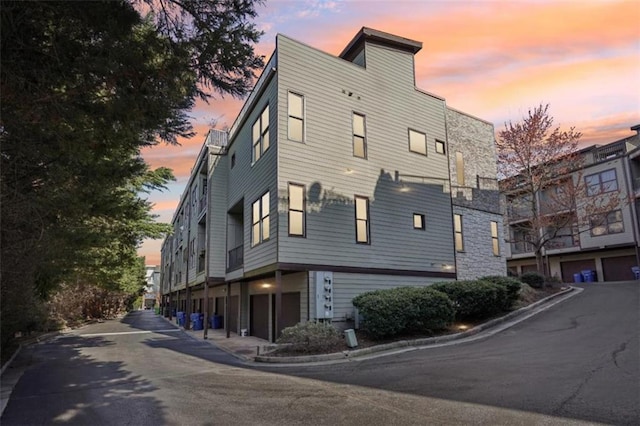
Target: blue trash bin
point(636, 272)
point(216, 321)
point(589, 276)
point(197, 321)
point(577, 278)
point(180, 318)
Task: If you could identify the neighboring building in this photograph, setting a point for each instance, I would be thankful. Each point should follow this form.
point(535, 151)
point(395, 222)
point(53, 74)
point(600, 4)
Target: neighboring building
point(151, 294)
point(609, 244)
point(334, 180)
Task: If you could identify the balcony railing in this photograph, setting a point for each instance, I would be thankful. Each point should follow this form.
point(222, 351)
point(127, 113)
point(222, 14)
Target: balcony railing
point(521, 247)
point(236, 258)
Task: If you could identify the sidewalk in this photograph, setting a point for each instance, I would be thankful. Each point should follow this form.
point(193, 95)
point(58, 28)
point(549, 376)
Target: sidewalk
point(252, 349)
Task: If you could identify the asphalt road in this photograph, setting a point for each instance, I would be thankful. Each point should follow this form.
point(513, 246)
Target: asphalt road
point(575, 363)
point(580, 359)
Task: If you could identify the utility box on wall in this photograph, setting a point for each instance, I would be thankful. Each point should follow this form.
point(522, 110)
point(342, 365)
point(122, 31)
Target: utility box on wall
point(324, 294)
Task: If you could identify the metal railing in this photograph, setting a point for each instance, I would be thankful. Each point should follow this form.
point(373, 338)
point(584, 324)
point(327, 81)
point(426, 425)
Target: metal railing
point(236, 258)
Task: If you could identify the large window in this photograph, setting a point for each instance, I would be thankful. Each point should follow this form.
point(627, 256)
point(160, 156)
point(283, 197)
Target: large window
point(296, 117)
point(359, 136)
point(457, 229)
point(494, 239)
point(417, 142)
point(362, 220)
point(260, 134)
point(608, 223)
point(602, 182)
point(460, 168)
point(296, 210)
point(260, 220)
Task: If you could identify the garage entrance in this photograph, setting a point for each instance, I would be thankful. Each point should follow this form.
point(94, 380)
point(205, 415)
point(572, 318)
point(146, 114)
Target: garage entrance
point(290, 311)
point(618, 268)
point(259, 316)
point(234, 309)
point(575, 267)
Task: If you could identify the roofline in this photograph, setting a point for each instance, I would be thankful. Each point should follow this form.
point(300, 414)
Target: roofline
point(380, 37)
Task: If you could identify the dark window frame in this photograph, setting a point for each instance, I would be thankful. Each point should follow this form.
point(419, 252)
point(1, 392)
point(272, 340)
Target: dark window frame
point(303, 211)
point(495, 239)
point(262, 131)
point(260, 221)
point(290, 117)
point(422, 216)
point(604, 218)
point(443, 145)
point(354, 135)
point(425, 141)
point(601, 188)
point(367, 221)
point(458, 232)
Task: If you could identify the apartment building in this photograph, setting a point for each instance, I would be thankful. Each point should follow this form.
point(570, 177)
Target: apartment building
point(607, 243)
point(334, 180)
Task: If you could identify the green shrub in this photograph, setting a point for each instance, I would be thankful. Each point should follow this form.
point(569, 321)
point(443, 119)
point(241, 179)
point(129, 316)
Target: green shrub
point(534, 279)
point(396, 311)
point(512, 289)
point(311, 337)
point(474, 299)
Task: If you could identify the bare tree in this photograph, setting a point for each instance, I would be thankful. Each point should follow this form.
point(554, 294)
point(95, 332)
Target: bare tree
point(548, 200)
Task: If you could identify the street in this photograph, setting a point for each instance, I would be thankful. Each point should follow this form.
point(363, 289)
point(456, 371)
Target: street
point(574, 363)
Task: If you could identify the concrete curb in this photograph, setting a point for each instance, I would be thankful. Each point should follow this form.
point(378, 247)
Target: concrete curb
point(415, 343)
point(28, 342)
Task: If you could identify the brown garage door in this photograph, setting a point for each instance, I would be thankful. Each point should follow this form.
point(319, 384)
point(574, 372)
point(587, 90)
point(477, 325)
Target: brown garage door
point(290, 310)
point(220, 309)
point(618, 268)
point(259, 316)
point(234, 308)
point(575, 267)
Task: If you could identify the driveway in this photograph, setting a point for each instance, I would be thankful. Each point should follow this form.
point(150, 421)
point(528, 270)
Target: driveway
point(579, 359)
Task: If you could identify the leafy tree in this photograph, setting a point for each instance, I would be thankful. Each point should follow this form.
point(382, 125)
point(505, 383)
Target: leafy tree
point(542, 177)
point(85, 86)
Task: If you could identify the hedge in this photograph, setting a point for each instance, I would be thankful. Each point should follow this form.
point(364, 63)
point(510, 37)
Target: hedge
point(474, 299)
point(401, 310)
point(512, 289)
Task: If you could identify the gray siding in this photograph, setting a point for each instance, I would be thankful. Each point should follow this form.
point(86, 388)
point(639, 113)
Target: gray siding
point(249, 181)
point(217, 215)
point(347, 286)
point(384, 92)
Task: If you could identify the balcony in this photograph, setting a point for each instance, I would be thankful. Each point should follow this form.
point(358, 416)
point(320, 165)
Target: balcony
point(235, 259)
point(521, 247)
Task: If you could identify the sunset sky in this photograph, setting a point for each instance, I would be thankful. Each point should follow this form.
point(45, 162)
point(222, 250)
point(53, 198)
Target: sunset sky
point(494, 59)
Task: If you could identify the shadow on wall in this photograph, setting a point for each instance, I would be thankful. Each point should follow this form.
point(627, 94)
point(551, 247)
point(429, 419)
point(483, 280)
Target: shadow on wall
point(394, 240)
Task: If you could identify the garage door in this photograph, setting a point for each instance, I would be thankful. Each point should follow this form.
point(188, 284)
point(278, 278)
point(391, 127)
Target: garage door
point(290, 310)
point(219, 310)
point(618, 268)
point(234, 309)
point(575, 267)
point(259, 316)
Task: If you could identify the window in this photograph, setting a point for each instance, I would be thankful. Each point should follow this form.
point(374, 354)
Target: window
point(359, 137)
point(362, 220)
point(608, 223)
point(261, 134)
point(233, 160)
point(296, 117)
point(460, 168)
point(260, 220)
point(418, 221)
point(296, 209)
point(602, 182)
point(457, 228)
point(440, 147)
point(417, 142)
point(494, 238)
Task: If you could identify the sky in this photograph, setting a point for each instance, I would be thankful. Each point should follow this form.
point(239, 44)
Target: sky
point(494, 59)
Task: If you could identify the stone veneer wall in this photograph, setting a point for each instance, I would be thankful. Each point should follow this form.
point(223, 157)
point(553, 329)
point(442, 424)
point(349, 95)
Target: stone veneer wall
point(479, 201)
point(477, 259)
